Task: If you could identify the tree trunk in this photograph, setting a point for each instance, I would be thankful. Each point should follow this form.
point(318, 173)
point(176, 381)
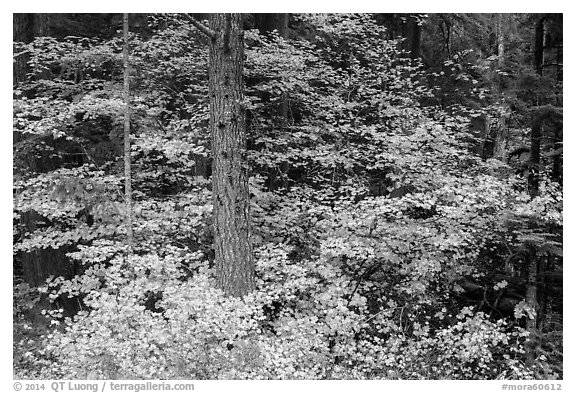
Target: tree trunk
point(446, 28)
point(539, 45)
point(501, 140)
point(534, 169)
point(127, 157)
point(488, 137)
point(553, 116)
point(557, 158)
point(532, 301)
point(414, 37)
point(392, 23)
point(26, 27)
point(232, 233)
point(40, 264)
point(500, 38)
point(267, 23)
point(405, 26)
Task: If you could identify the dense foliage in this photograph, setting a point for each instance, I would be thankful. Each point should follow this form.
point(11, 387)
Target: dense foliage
point(386, 246)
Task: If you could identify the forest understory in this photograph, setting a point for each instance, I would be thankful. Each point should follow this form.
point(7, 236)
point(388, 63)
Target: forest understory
point(288, 196)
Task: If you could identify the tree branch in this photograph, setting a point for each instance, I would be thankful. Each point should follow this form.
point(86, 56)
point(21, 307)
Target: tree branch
point(20, 53)
point(202, 27)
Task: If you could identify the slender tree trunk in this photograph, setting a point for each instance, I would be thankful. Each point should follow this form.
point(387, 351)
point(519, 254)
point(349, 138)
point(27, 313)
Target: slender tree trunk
point(127, 157)
point(500, 18)
point(501, 137)
point(532, 301)
point(557, 158)
point(539, 45)
point(232, 233)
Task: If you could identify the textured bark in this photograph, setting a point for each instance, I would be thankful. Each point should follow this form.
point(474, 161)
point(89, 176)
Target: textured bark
point(26, 27)
point(446, 29)
point(501, 140)
point(233, 251)
point(22, 28)
point(539, 46)
point(483, 124)
point(127, 158)
point(488, 148)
